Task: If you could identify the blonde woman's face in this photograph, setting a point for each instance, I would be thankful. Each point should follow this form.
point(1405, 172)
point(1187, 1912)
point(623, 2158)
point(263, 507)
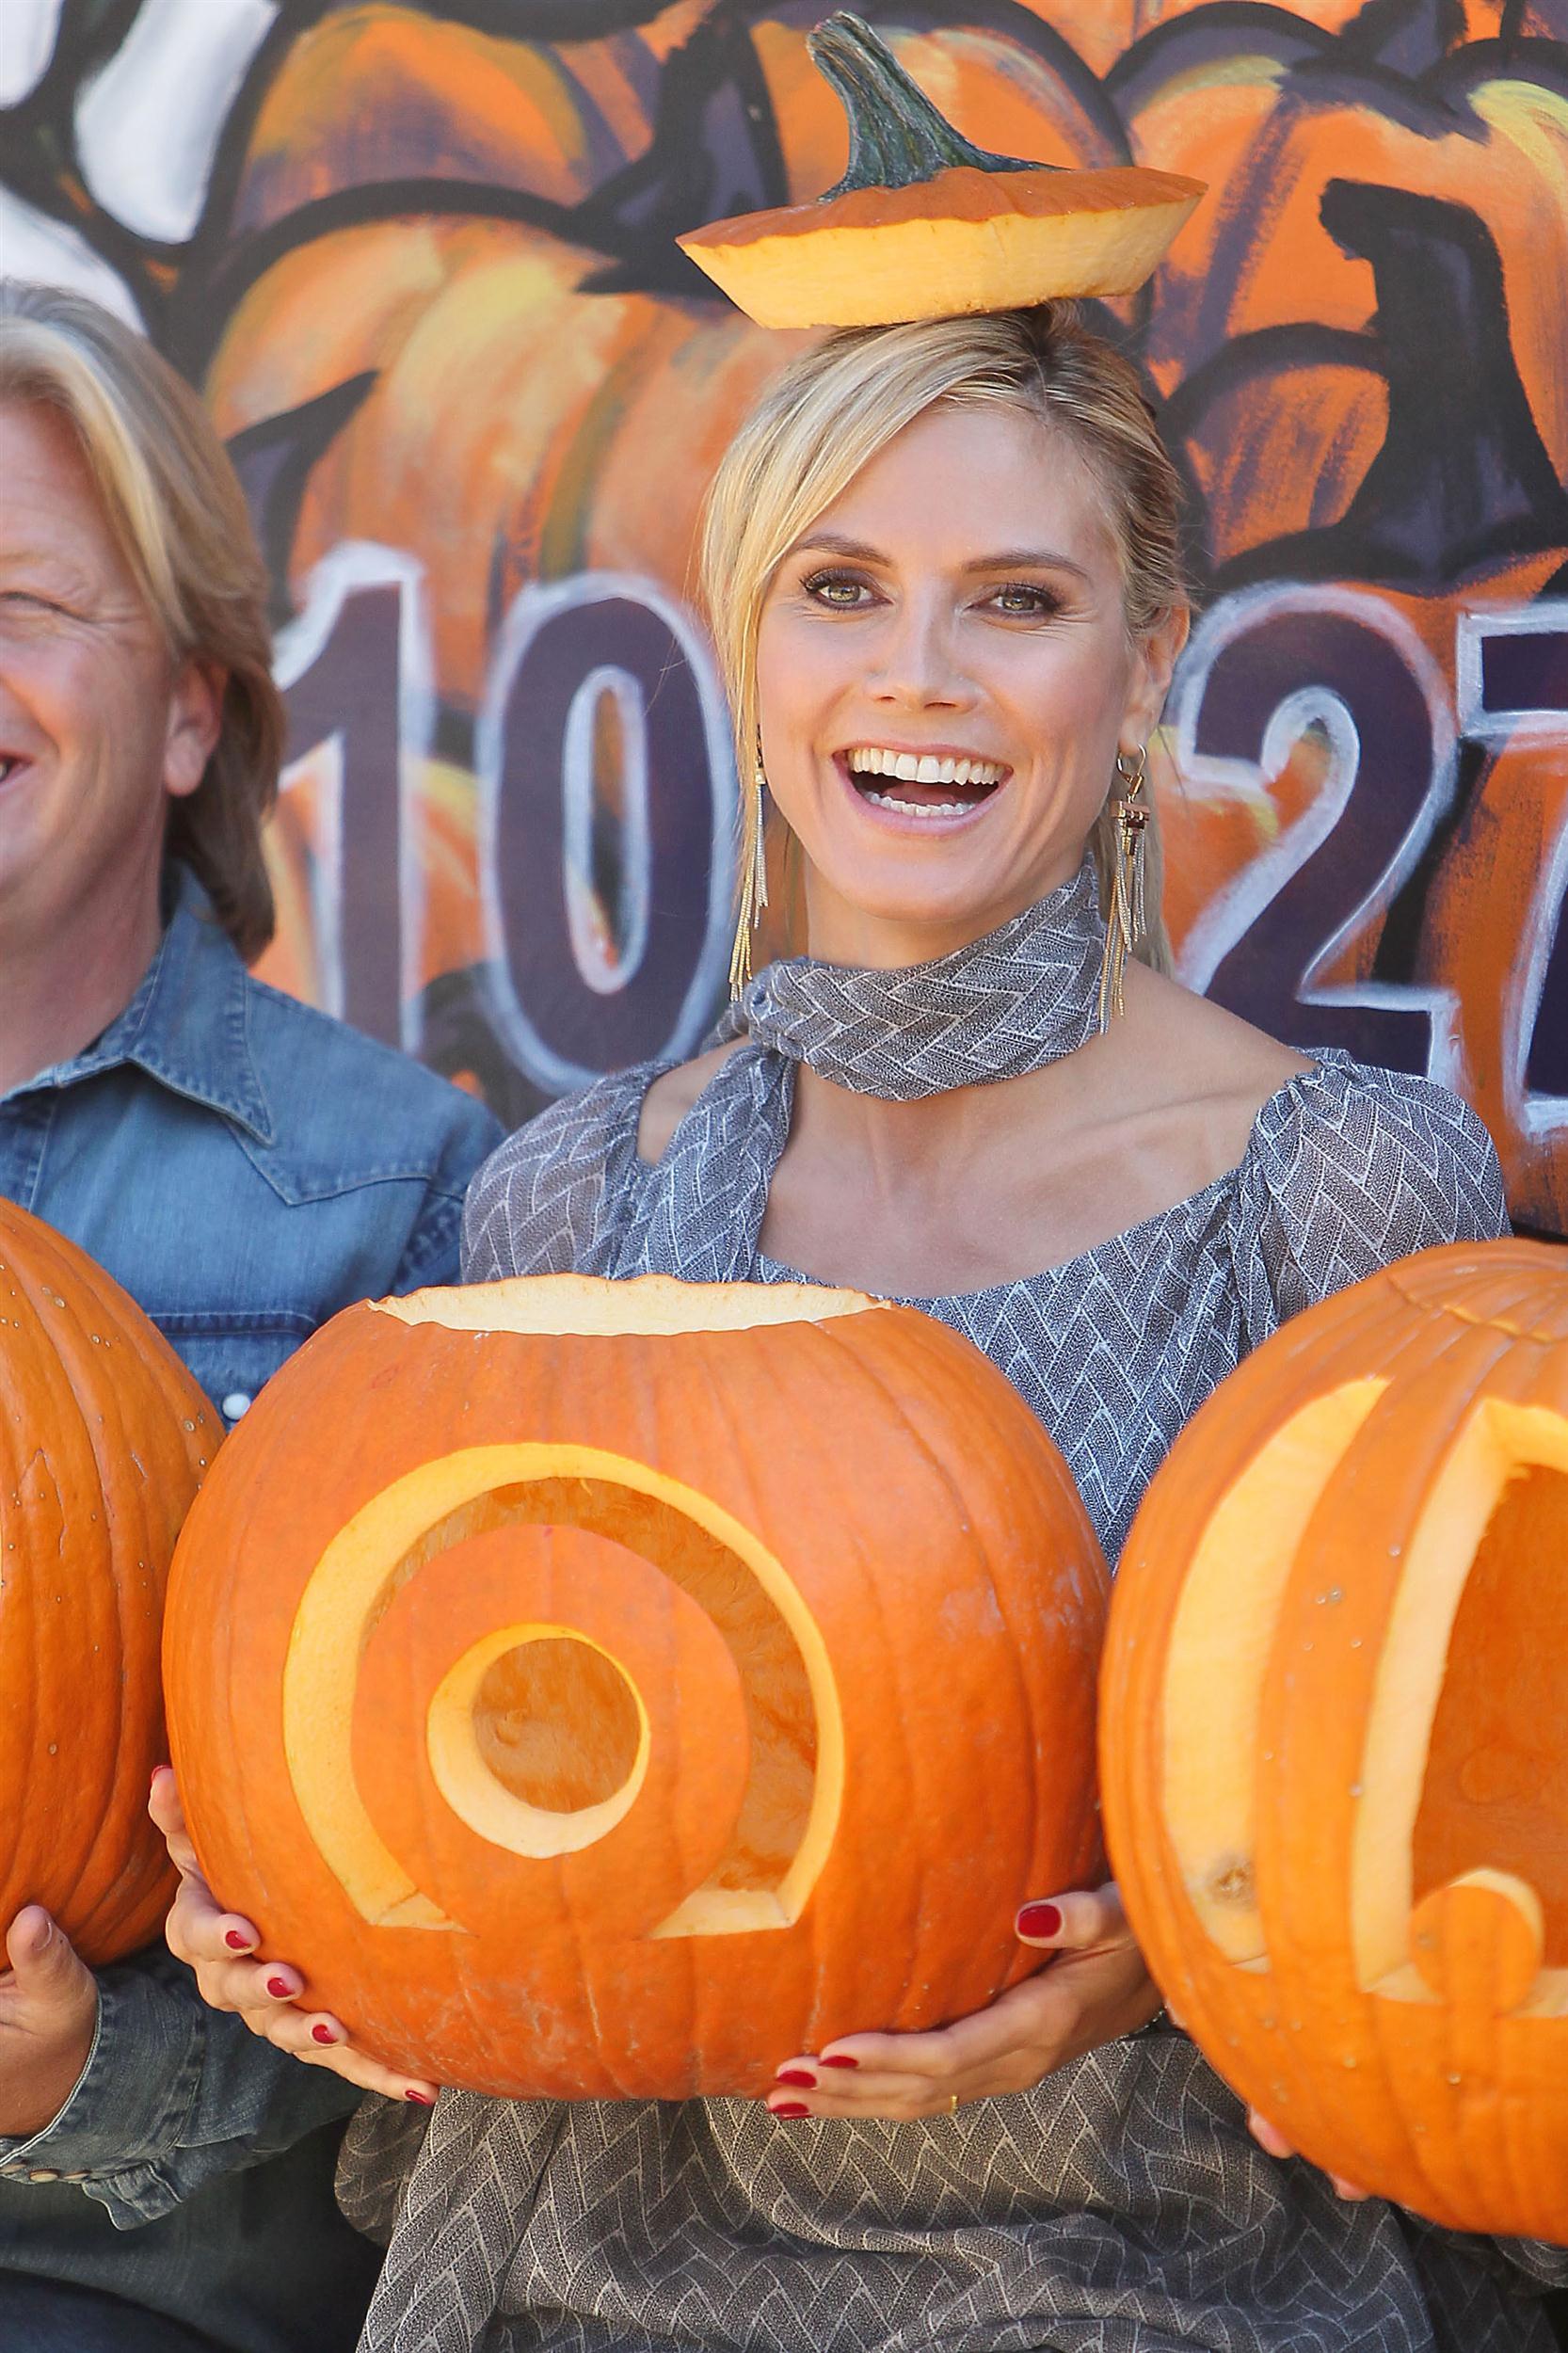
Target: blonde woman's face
point(944, 682)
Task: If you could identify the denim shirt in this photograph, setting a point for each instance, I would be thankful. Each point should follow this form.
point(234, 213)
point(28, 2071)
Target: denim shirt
point(244, 1167)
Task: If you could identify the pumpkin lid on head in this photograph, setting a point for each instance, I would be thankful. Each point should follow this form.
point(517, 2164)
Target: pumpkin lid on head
point(925, 225)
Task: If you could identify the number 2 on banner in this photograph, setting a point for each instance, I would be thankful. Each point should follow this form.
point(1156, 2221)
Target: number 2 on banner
point(1265, 667)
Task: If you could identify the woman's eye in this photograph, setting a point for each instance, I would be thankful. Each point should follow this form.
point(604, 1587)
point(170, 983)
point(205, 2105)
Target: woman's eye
point(839, 591)
point(1025, 602)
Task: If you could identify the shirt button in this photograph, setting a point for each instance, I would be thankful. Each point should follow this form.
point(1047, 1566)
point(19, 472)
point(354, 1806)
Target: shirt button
point(43, 2174)
point(234, 1404)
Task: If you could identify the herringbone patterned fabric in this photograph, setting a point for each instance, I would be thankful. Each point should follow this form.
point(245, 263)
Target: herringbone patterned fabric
point(1120, 2207)
point(1023, 996)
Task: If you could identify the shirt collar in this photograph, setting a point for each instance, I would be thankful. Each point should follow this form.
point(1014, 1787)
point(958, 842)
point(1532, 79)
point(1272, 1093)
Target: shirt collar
point(186, 1025)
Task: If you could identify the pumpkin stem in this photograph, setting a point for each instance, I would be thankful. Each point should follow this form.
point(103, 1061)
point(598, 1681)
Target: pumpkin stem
point(896, 136)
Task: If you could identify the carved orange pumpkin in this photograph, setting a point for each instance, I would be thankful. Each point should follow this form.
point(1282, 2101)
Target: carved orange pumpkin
point(1335, 1734)
point(607, 1688)
point(104, 1437)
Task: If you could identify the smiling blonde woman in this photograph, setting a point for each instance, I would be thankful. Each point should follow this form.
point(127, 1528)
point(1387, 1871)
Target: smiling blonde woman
point(943, 568)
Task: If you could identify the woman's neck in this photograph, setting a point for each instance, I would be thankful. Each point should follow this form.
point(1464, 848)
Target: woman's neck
point(839, 932)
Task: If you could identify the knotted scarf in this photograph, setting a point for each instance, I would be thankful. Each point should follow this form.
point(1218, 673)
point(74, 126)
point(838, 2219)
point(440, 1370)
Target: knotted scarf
point(1010, 1002)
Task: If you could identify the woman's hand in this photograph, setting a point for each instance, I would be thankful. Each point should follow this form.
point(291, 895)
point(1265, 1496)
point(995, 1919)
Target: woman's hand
point(1270, 2138)
point(264, 1992)
point(1095, 1988)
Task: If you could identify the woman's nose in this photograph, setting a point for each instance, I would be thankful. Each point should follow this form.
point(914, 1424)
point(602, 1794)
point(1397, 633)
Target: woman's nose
point(916, 661)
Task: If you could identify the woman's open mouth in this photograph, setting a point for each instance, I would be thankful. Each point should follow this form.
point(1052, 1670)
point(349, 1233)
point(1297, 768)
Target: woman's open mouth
point(936, 786)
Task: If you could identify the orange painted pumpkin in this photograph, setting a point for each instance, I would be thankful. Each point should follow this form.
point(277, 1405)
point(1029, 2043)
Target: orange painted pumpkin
point(1335, 1734)
point(608, 1688)
point(1271, 123)
point(923, 221)
point(103, 1438)
point(386, 89)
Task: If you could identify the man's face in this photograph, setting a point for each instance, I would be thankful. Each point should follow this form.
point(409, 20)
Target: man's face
point(97, 726)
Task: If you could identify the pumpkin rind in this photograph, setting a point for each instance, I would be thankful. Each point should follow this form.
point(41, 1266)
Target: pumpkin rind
point(966, 241)
point(924, 224)
point(877, 1599)
point(104, 1439)
point(1333, 1739)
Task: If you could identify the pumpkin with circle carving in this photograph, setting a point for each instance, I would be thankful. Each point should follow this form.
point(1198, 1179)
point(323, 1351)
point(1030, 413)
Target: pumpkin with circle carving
point(1335, 1734)
point(104, 1440)
point(606, 1688)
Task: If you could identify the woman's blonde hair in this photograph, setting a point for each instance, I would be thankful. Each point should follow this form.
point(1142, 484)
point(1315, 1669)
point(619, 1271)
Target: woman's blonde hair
point(179, 516)
point(831, 412)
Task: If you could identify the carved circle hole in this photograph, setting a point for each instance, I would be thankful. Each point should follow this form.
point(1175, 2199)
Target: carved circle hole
point(556, 1724)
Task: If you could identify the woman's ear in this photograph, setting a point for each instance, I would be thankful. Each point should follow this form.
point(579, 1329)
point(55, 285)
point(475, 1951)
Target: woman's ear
point(1154, 667)
point(195, 724)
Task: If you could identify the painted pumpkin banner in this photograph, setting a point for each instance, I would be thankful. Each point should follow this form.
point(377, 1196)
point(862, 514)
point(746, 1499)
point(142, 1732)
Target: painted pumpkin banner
point(422, 262)
point(680, 1673)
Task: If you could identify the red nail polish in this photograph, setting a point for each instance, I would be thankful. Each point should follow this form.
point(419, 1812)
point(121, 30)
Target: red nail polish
point(796, 2075)
point(790, 2108)
point(323, 2034)
point(1040, 1920)
point(235, 1942)
point(420, 2099)
point(280, 1987)
point(840, 2058)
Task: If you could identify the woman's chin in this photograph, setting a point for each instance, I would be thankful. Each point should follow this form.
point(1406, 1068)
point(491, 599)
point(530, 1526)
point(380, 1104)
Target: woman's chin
point(950, 905)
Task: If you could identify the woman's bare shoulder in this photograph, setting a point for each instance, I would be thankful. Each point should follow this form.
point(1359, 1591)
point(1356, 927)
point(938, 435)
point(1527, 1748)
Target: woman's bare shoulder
point(1199, 1070)
point(672, 1095)
point(1214, 1052)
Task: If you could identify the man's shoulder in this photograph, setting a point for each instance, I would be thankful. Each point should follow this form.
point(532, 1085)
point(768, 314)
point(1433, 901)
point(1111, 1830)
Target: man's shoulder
point(345, 1107)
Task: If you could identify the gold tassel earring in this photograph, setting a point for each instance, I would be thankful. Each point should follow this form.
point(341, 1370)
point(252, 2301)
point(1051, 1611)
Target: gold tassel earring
point(1125, 923)
point(754, 880)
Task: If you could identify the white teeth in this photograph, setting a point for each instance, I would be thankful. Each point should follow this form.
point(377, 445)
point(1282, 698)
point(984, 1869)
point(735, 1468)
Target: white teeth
point(919, 808)
point(924, 768)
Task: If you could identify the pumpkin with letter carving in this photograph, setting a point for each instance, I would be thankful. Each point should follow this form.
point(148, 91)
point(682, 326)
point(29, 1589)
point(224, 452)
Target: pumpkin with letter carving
point(604, 1689)
point(1335, 1734)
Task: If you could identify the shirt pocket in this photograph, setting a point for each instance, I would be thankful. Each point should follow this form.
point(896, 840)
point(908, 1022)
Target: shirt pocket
point(233, 1355)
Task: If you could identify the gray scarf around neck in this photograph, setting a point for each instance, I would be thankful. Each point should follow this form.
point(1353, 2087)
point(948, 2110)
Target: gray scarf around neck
point(1023, 996)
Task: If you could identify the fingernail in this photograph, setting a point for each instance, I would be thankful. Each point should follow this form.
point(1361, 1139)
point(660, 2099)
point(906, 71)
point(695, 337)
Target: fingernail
point(840, 2058)
point(796, 2075)
point(789, 2108)
point(279, 1986)
point(1040, 1920)
point(153, 1775)
point(323, 2034)
point(420, 2099)
point(235, 1942)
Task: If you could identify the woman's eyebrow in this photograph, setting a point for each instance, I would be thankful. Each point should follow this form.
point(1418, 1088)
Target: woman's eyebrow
point(1004, 560)
point(833, 543)
point(1028, 560)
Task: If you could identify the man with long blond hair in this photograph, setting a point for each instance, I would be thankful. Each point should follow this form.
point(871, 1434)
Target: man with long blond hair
point(244, 1167)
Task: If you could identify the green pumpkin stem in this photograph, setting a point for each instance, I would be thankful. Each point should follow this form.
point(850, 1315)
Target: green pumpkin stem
point(896, 136)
